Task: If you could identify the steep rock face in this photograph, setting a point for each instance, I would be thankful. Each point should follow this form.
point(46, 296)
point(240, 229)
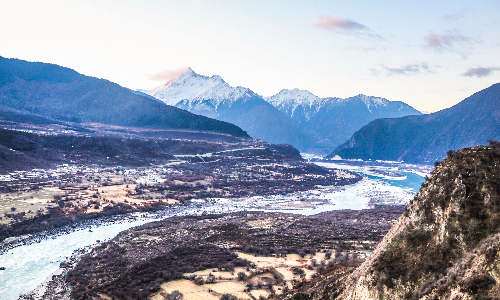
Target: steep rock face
point(446, 244)
point(332, 121)
point(427, 138)
point(214, 98)
point(62, 94)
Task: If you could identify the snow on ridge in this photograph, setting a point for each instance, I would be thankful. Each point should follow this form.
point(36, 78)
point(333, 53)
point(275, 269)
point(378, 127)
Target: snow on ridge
point(222, 93)
point(193, 89)
point(290, 100)
point(372, 101)
point(297, 97)
point(192, 86)
point(294, 97)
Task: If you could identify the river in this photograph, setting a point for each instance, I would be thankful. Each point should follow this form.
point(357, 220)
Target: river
point(27, 266)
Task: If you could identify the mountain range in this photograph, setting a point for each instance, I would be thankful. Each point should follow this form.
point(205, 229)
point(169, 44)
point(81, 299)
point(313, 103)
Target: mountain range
point(214, 98)
point(427, 138)
point(39, 93)
point(332, 121)
point(296, 117)
point(57, 94)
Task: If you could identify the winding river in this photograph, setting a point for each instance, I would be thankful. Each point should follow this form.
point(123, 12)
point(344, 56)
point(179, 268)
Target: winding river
point(27, 266)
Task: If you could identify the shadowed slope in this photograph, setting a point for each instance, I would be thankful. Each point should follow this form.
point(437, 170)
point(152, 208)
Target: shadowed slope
point(63, 94)
point(427, 138)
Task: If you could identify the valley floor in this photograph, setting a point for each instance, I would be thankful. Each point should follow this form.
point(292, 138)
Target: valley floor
point(248, 254)
point(112, 186)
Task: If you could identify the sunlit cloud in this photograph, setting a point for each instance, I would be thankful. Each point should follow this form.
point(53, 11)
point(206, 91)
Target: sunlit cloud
point(410, 69)
point(480, 72)
point(167, 75)
point(342, 24)
point(442, 41)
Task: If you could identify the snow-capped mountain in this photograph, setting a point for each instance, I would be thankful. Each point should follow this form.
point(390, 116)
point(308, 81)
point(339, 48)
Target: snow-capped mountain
point(215, 98)
point(288, 101)
point(295, 117)
point(332, 121)
point(194, 87)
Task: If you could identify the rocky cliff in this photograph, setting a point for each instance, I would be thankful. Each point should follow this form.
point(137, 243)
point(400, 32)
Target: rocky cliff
point(444, 246)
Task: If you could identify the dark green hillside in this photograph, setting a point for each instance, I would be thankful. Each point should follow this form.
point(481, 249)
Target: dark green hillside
point(62, 94)
point(427, 138)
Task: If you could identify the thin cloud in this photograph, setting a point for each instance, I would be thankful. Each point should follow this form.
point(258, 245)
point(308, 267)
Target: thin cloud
point(410, 69)
point(443, 41)
point(167, 75)
point(480, 72)
point(456, 16)
point(341, 24)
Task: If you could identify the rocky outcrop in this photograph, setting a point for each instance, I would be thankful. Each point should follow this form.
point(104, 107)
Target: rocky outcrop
point(446, 244)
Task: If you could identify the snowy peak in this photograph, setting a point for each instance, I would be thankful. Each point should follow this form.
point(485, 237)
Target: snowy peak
point(217, 78)
point(180, 77)
point(191, 86)
point(291, 101)
point(371, 101)
point(294, 96)
point(189, 72)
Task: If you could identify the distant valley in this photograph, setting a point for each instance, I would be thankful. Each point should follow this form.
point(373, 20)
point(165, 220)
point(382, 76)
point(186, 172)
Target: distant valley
point(244, 213)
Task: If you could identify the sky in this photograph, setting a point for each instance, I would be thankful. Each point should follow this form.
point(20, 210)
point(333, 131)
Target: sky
point(428, 54)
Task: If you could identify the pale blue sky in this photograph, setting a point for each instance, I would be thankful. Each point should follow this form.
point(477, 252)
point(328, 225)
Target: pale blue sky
point(429, 54)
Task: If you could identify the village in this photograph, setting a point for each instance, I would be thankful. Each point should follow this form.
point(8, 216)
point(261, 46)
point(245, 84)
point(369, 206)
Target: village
point(72, 192)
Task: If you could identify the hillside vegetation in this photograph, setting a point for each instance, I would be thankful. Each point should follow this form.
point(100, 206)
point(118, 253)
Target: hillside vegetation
point(427, 138)
point(446, 244)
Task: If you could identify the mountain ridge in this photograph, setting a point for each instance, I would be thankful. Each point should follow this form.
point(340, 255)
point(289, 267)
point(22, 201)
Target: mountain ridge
point(299, 117)
point(452, 222)
point(445, 245)
point(63, 94)
point(333, 120)
point(214, 98)
point(427, 138)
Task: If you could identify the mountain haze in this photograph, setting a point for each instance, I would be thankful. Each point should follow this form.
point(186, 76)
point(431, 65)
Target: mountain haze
point(427, 138)
point(62, 94)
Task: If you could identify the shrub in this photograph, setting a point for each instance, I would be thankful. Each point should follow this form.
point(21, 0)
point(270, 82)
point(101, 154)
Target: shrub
point(199, 280)
point(242, 276)
point(228, 297)
point(175, 295)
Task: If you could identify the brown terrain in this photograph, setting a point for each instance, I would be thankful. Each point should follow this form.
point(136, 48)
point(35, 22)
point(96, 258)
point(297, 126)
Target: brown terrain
point(445, 246)
point(246, 254)
point(101, 182)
